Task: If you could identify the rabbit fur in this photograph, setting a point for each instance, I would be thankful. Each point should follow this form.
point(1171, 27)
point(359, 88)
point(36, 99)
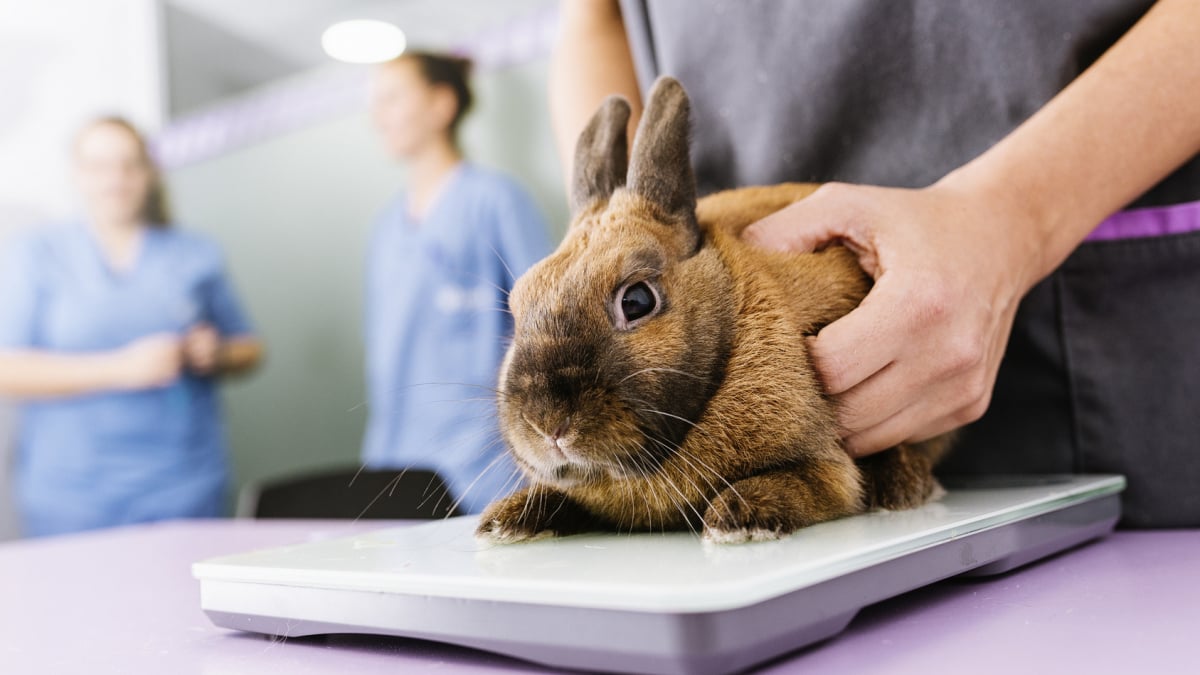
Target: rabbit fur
point(707, 414)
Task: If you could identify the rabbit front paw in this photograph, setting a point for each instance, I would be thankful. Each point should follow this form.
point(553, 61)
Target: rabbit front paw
point(732, 518)
point(772, 505)
point(529, 515)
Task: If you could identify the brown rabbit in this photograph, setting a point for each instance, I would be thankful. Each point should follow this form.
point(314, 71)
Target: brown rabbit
point(658, 377)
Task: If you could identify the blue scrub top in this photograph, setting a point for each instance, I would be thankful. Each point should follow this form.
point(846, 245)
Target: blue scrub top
point(437, 324)
point(112, 458)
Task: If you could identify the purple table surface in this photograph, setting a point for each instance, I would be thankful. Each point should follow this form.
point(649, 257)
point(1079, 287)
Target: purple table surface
point(124, 601)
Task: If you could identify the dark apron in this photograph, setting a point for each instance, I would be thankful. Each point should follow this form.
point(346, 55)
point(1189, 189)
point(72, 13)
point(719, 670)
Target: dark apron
point(1102, 375)
point(1103, 365)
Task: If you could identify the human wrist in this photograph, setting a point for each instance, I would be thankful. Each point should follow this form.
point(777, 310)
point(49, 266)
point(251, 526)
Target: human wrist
point(1039, 225)
point(236, 356)
point(224, 359)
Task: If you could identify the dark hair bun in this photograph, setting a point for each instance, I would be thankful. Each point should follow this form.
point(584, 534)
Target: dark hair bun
point(447, 70)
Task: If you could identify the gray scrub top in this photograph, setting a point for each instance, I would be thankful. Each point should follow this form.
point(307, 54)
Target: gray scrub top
point(869, 91)
point(1102, 369)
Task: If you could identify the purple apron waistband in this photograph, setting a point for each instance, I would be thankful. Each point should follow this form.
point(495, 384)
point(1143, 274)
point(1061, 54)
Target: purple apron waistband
point(1153, 222)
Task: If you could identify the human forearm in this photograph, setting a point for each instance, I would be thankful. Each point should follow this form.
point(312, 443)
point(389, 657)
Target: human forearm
point(591, 61)
point(1118, 129)
point(207, 353)
point(239, 355)
point(148, 362)
point(40, 374)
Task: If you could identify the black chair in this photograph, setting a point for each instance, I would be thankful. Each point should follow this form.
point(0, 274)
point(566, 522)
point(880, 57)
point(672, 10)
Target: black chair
point(350, 493)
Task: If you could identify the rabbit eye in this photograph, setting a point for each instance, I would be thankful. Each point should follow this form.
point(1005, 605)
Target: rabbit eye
point(638, 301)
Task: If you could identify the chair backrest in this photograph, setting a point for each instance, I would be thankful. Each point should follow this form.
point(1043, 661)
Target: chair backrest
point(350, 493)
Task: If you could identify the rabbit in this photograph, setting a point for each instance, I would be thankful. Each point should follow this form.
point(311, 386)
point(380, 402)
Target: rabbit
point(658, 377)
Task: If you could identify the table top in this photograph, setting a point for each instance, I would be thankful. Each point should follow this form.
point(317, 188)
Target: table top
point(124, 601)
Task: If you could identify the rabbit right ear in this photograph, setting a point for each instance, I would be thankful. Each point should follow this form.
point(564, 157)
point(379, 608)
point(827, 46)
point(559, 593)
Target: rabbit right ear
point(601, 155)
point(660, 169)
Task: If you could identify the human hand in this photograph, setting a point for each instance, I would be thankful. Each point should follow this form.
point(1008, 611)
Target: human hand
point(149, 362)
point(919, 356)
point(201, 349)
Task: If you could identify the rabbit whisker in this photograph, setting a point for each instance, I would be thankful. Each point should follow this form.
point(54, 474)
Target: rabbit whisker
point(694, 425)
point(659, 496)
point(457, 502)
point(684, 500)
point(689, 458)
point(729, 486)
point(391, 485)
point(703, 495)
point(504, 263)
point(356, 475)
point(658, 370)
point(528, 503)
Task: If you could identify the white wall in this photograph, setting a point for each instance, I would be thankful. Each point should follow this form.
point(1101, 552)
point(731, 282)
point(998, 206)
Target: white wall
point(61, 63)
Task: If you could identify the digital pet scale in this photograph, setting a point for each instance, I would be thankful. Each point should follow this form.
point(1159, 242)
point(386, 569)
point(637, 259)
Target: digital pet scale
point(648, 603)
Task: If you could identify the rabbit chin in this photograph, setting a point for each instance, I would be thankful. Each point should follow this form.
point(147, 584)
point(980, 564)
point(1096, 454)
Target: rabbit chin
point(565, 475)
point(572, 472)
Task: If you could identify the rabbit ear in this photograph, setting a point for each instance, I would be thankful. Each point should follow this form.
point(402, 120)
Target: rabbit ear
point(601, 155)
point(660, 169)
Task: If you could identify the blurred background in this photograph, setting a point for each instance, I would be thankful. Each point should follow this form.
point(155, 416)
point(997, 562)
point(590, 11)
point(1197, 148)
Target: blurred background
point(267, 148)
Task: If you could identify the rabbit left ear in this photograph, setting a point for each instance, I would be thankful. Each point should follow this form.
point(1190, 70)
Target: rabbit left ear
point(660, 168)
point(600, 155)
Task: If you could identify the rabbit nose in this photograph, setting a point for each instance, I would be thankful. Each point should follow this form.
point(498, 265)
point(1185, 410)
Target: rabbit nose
point(558, 445)
point(553, 439)
point(561, 430)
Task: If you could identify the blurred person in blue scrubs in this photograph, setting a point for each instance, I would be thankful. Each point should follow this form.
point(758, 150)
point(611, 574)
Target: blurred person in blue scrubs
point(114, 329)
point(443, 256)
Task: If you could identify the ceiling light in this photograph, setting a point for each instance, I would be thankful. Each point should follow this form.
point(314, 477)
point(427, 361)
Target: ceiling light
point(363, 41)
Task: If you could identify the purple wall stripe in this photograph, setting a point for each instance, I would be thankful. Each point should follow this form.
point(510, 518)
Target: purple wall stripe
point(260, 116)
point(1152, 222)
point(295, 104)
